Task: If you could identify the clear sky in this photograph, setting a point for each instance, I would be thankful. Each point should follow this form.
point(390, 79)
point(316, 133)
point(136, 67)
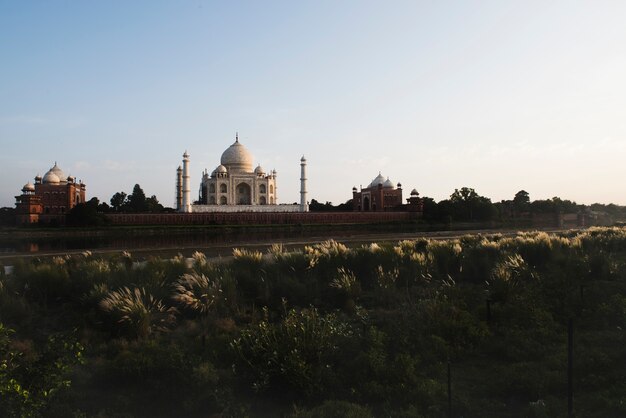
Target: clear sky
point(495, 95)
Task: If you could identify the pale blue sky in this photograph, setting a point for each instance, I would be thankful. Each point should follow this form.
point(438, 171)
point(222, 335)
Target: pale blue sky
point(495, 95)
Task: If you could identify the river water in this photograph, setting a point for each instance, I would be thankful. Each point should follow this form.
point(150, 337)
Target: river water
point(214, 243)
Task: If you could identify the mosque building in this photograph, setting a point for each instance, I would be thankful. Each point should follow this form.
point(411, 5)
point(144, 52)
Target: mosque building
point(234, 186)
point(49, 199)
point(381, 195)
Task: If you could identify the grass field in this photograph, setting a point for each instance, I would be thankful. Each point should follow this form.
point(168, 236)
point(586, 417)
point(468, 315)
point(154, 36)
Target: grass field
point(324, 330)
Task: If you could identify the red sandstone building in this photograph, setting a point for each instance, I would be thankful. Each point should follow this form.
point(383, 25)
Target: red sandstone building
point(382, 196)
point(49, 199)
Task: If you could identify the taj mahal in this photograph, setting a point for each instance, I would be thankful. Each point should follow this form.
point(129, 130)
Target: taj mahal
point(234, 186)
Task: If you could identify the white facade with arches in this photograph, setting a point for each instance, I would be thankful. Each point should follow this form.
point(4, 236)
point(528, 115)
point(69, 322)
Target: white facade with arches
point(234, 186)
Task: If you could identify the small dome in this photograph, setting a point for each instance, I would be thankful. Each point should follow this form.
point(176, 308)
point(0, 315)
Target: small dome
point(414, 192)
point(303, 159)
point(388, 184)
point(51, 178)
point(221, 169)
point(37, 177)
point(259, 170)
point(28, 187)
point(71, 179)
point(237, 158)
point(378, 180)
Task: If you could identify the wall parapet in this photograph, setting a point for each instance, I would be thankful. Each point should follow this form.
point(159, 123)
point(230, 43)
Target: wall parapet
point(257, 218)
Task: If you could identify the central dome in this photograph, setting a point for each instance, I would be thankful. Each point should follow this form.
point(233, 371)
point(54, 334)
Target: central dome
point(237, 158)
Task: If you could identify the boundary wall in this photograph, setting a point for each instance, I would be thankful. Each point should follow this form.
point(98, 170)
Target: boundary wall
point(258, 218)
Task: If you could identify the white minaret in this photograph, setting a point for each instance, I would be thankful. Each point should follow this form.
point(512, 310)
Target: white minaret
point(304, 207)
point(186, 185)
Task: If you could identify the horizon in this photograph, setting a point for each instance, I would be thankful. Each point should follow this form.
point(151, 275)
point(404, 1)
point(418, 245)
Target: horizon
point(496, 96)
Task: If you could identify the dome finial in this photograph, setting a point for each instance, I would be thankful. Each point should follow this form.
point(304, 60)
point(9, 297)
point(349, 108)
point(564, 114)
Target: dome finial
point(236, 136)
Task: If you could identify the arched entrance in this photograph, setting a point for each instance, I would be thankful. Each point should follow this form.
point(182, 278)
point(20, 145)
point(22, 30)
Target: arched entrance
point(366, 203)
point(244, 194)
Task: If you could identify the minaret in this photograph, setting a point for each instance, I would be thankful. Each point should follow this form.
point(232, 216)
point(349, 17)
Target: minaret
point(186, 185)
point(304, 207)
point(179, 188)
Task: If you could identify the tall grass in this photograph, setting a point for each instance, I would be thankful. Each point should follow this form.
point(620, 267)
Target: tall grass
point(138, 312)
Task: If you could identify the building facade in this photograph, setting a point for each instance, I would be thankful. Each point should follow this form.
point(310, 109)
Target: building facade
point(234, 186)
point(48, 200)
point(381, 195)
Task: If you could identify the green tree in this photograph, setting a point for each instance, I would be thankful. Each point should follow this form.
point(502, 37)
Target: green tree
point(467, 205)
point(86, 214)
point(137, 201)
point(118, 201)
point(153, 204)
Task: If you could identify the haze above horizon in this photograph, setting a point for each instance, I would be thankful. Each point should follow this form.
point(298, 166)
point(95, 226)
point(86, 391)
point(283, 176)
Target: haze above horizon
point(495, 95)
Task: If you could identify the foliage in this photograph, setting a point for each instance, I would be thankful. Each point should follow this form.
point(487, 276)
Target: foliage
point(32, 378)
point(293, 353)
point(322, 330)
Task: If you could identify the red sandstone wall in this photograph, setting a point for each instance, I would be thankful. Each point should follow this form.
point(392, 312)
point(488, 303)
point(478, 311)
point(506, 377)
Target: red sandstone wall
point(249, 218)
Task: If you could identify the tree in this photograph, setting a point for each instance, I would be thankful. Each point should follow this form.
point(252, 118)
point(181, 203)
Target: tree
point(153, 205)
point(137, 200)
point(466, 194)
point(521, 201)
point(467, 205)
point(86, 214)
point(7, 216)
point(118, 201)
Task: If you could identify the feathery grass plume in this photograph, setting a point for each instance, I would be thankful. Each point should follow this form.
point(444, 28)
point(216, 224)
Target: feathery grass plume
point(387, 278)
point(444, 256)
point(138, 311)
point(199, 259)
point(250, 275)
point(96, 294)
point(127, 259)
point(241, 254)
point(329, 252)
point(346, 281)
point(478, 259)
point(374, 248)
point(603, 238)
point(198, 293)
point(405, 247)
point(277, 250)
point(507, 275)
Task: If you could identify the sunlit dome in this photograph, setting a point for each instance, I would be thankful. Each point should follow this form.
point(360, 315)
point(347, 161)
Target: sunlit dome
point(388, 184)
point(378, 180)
point(221, 169)
point(259, 170)
point(51, 178)
point(237, 158)
point(54, 176)
point(56, 170)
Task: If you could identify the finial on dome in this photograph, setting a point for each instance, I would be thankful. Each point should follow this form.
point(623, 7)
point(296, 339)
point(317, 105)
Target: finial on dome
point(236, 136)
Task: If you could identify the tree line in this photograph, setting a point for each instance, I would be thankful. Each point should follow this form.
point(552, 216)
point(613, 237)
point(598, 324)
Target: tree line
point(466, 205)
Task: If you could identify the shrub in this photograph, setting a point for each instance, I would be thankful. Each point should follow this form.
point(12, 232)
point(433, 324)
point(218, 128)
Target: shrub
point(294, 353)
